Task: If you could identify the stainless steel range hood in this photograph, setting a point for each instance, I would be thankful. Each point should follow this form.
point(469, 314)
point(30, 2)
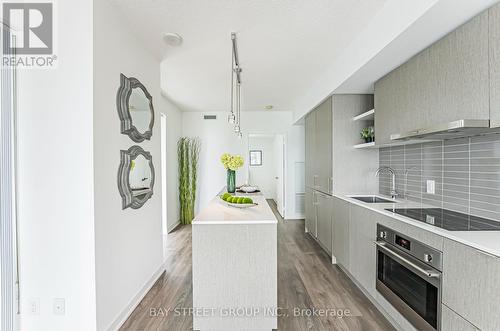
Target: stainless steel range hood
point(450, 130)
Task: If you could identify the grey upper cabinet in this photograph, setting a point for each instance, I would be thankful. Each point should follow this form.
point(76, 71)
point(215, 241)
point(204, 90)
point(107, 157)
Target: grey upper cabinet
point(471, 284)
point(391, 93)
point(362, 252)
point(340, 231)
point(310, 206)
point(324, 220)
point(494, 40)
point(324, 149)
point(318, 132)
point(310, 150)
point(447, 81)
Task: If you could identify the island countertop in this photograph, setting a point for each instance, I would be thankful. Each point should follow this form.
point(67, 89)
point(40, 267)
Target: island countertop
point(218, 212)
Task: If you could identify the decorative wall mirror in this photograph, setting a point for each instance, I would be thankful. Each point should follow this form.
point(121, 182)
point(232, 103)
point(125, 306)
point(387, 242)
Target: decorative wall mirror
point(136, 177)
point(135, 107)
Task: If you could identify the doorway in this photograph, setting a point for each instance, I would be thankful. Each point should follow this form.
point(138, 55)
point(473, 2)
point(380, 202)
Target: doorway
point(266, 166)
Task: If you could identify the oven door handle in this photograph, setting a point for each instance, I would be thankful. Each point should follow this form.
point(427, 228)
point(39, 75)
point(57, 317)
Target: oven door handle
point(426, 273)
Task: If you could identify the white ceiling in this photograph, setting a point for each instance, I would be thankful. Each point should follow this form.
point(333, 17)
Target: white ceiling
point(294, 53)
point(284, 46)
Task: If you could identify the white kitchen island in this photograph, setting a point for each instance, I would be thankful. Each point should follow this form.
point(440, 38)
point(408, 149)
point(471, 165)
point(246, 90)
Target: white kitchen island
point(235, 267)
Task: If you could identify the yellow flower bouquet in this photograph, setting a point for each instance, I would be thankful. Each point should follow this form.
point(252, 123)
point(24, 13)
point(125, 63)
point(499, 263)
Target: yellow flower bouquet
point(231, 163)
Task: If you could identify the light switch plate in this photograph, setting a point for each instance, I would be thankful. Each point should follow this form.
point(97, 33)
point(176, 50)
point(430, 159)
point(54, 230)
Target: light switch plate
point(59, 306)
point(34, 306)
point(431, 187)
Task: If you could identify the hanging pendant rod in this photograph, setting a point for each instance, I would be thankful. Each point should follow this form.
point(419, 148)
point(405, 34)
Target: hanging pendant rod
point(237, 68)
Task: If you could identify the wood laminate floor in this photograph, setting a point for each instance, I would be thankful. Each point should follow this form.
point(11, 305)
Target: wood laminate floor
point(306, 280)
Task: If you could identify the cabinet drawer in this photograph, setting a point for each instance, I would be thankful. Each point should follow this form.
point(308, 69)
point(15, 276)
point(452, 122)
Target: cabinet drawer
point(451, 321)
point(471, 284)
point(324, 220)
point(362, 234)
point(340, 231)
point(310, 207)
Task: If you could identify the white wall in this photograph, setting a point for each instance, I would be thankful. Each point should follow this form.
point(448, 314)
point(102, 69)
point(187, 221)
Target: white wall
point(174, 132)
point(264, 175)
point(128, 242)
point(56, 186)
point(217, 137)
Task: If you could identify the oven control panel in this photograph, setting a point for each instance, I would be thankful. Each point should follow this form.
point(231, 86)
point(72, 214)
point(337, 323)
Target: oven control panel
point(403, 242)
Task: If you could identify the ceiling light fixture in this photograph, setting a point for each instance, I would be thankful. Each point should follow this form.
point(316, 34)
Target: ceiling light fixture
point(235, 110)
point(172, 39)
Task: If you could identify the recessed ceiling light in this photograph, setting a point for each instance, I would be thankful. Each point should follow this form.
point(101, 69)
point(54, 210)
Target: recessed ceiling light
point(268, 107)
point(172, 39)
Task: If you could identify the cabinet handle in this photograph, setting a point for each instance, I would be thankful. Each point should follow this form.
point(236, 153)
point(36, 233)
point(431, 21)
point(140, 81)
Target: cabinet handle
point(314, 181)
point(315, 199)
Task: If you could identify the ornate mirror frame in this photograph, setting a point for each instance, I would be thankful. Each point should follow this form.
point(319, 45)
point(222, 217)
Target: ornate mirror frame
point(122, 104)
point(126, 157)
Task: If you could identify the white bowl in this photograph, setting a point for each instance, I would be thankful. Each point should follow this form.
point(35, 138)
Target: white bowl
point(249, 189)
point(241, 205)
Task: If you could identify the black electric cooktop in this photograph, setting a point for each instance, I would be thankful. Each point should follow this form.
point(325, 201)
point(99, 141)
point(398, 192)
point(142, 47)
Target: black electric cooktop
point(448, 219)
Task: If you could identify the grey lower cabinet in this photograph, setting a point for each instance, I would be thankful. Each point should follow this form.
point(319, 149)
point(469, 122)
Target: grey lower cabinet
point(471, 284)
point(362, 252)
point(324, 220)
point(340, 231)
point(445, 82)
point(310, 206)
point(494, 41)
point(451, 321)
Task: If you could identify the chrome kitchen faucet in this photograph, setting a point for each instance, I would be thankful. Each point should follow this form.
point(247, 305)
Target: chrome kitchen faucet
point(394, 194)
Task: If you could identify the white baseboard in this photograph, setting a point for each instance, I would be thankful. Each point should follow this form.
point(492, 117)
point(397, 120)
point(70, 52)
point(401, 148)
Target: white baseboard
point(172, 227)
point(295, 217)
point(122, 317)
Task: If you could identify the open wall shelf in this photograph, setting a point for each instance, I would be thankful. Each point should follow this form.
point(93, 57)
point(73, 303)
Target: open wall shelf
point(366, 116)
point(365, 145)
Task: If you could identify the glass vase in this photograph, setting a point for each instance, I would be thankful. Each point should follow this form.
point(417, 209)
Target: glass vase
point(231, 181)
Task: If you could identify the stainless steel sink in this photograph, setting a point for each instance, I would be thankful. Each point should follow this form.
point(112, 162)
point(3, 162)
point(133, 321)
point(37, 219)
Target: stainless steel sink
point(373, 199)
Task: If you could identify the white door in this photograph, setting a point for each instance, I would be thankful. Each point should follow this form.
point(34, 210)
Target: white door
point(9, 281)
point(279, 150)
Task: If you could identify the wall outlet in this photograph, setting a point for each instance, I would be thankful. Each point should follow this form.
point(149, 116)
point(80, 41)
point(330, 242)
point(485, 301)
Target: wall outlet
point(34, 306)
point(59, 306)
point(431, 187)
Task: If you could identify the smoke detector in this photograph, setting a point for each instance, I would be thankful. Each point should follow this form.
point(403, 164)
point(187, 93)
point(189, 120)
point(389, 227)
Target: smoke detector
point(172, 39)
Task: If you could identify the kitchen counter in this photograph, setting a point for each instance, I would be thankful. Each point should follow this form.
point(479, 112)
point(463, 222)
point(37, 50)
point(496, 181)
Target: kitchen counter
point(235, 267)
point(486, 241)
point(218, 212)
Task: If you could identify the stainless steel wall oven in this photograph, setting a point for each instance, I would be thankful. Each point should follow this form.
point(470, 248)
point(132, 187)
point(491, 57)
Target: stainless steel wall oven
point(409, 277)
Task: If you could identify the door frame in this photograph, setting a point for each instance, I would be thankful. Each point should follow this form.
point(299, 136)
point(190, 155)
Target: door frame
point(284, 171)
point(284, 177)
